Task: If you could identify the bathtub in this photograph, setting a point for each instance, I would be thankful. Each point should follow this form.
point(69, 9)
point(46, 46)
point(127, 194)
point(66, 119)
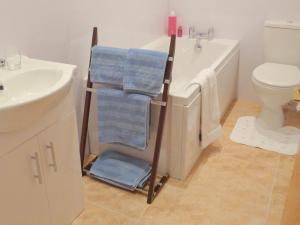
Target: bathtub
point(181, 146)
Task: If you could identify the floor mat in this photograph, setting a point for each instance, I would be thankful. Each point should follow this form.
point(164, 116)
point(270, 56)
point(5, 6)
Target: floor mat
point(283, 140)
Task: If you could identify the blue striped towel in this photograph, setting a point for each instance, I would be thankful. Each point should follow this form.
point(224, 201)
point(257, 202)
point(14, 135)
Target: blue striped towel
point(121, 170)
point(107, 65)
point(123, 118)
point(144, 71)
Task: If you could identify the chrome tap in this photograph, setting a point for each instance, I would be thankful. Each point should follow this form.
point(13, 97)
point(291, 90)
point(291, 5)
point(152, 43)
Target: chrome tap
point(2, 62)
point(198, 45)
point(209, 35)
point(192, 32)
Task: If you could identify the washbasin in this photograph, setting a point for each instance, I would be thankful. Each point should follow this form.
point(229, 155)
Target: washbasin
point(31, 92)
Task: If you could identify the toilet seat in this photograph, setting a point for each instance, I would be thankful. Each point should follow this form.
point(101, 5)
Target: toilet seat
point(277, 75)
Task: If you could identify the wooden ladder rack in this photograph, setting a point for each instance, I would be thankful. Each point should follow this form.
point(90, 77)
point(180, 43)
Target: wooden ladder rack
point(153, 187)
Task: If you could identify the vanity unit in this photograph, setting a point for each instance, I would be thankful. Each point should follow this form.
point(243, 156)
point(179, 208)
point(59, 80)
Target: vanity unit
point(39, 157)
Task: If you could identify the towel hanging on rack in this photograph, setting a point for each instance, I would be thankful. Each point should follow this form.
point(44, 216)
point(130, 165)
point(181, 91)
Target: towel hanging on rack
point(107, 65)
point(144, 71)
point(123, 118)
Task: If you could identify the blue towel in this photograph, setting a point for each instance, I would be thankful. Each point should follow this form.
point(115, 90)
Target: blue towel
point(123, 118)
point(107, 65)
point(144, 71)
point(121, 170)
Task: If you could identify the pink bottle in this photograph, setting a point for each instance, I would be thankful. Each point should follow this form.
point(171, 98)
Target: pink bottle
point(172, 24)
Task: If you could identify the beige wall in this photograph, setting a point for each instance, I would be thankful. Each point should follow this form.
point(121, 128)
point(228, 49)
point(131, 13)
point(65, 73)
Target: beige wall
point(39, 28)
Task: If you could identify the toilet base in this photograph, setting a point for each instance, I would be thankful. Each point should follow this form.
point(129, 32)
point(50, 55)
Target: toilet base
point(271, 118)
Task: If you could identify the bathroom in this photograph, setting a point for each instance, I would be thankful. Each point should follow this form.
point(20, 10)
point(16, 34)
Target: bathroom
point(224, 183)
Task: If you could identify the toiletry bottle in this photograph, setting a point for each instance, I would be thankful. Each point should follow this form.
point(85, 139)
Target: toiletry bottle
point(179, 31)
point(172, 26)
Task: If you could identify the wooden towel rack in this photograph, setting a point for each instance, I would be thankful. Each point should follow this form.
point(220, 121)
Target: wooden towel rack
point(153, 187)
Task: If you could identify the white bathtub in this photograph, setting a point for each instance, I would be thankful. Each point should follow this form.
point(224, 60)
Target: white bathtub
point(181, 146)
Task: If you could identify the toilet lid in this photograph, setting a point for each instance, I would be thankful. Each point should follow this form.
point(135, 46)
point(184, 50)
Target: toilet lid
point(277, 75)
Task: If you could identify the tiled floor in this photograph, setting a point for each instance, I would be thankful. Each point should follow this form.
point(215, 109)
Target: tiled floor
point(231, 184)
point(291, 215)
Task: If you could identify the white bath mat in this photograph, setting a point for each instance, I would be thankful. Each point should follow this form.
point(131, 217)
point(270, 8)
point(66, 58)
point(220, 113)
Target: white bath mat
point(284, 140)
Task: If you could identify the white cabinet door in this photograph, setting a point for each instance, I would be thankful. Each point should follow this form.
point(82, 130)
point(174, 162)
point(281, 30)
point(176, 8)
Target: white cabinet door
point(23, 198)
point(60, 150)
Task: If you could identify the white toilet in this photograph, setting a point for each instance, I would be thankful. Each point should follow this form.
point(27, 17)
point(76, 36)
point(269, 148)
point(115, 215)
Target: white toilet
point(275, 80)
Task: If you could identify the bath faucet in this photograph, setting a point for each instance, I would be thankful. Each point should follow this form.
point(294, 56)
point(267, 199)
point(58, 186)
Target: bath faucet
point(202, 35)
point(209, 35)
point(198, 45)
point(2, 62)
point(192, 32)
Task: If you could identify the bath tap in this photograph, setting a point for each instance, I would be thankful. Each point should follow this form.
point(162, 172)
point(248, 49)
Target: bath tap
point(2, 62)
point(192, 32)
point(198, 45)
point(202, 35)
point(209, 35)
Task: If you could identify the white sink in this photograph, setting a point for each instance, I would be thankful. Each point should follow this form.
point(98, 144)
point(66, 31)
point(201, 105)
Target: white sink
point(32, 91)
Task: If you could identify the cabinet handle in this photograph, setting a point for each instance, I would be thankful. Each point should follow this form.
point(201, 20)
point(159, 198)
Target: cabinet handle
point(53, 163)
point(38, 173)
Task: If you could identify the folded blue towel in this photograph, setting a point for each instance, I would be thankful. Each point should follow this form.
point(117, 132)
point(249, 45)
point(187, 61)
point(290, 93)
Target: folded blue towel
point(107, 65)
point(144, 71)
point(123, 118)
point(121, 170)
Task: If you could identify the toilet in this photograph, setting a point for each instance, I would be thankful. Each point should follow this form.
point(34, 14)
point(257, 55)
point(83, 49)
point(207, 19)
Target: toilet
point(275, 80)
